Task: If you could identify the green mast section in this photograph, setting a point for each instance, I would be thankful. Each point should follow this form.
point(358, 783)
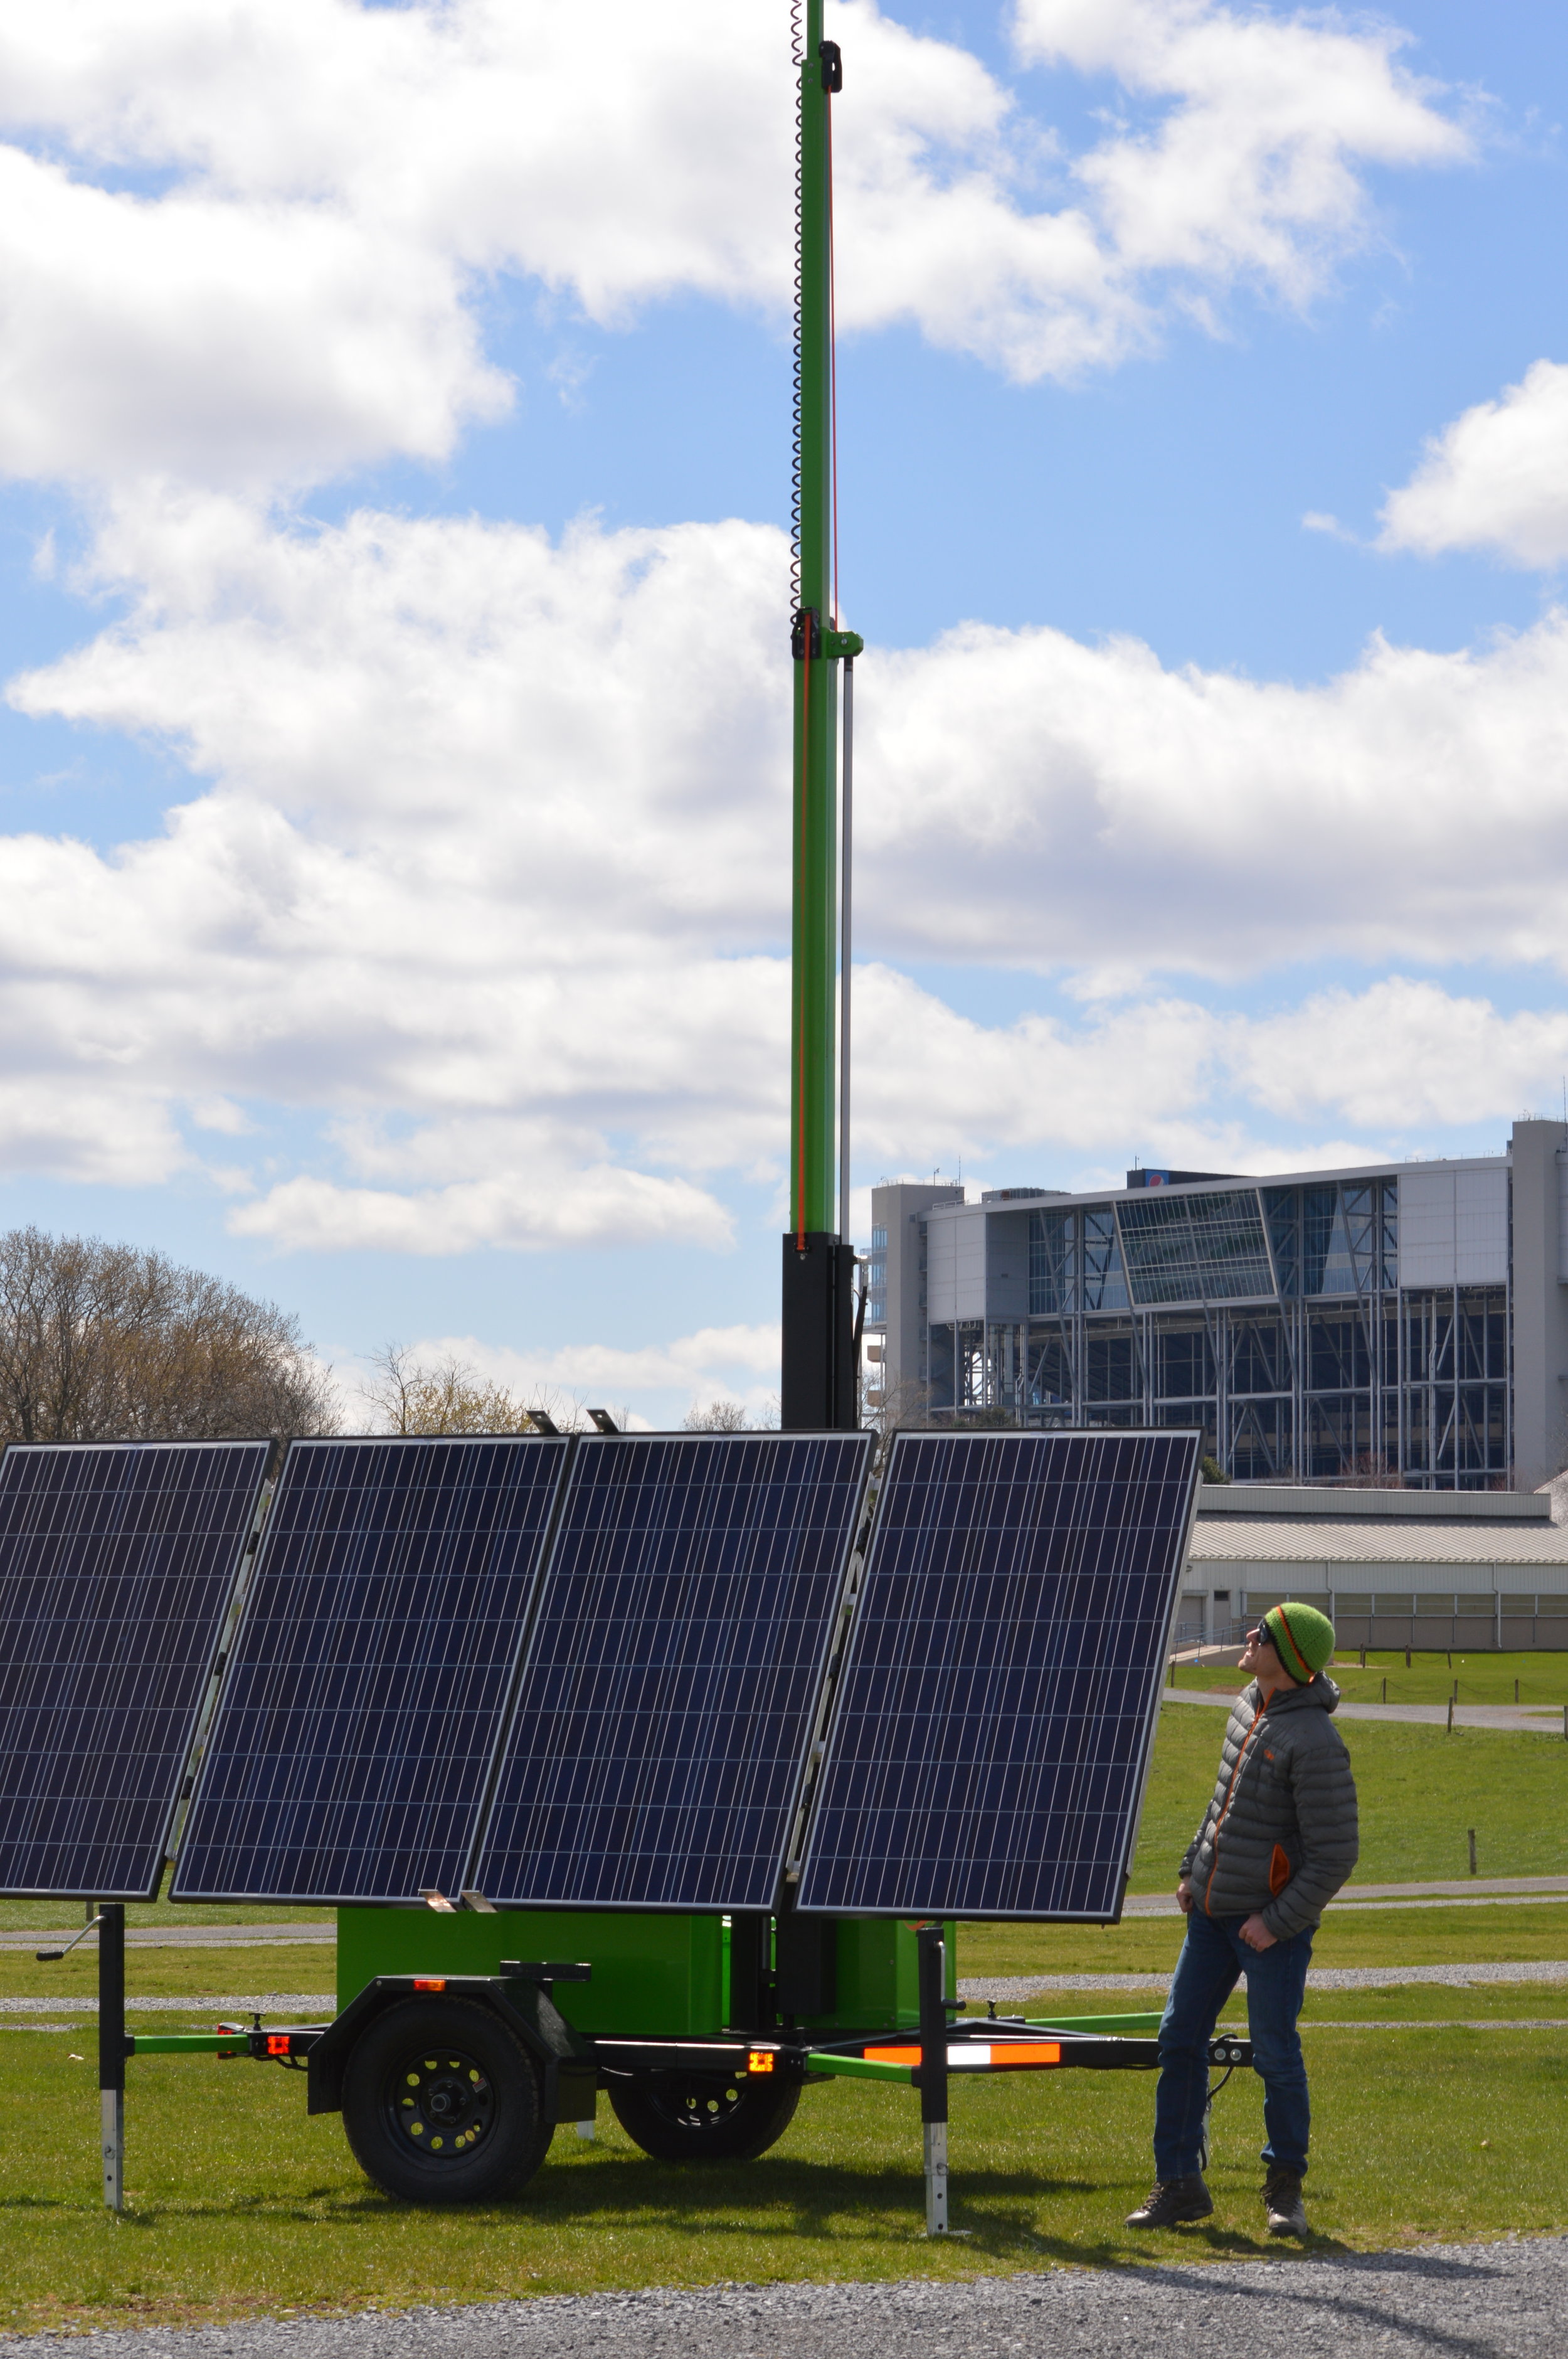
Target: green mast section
point(817, 650)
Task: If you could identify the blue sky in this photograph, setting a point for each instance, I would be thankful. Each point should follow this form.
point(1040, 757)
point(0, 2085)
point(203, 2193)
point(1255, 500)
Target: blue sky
point(393, 767)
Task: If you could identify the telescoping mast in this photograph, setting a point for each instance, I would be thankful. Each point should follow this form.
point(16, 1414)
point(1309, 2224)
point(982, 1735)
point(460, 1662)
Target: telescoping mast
point(818, 1388)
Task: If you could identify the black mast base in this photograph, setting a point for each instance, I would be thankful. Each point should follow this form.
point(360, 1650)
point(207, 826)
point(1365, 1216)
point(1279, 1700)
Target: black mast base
point(819, 1390)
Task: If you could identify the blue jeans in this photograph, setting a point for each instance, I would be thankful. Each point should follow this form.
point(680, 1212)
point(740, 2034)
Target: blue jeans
point(1213, 1957)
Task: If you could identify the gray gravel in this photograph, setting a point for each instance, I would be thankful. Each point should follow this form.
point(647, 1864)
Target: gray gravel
point(1321, 1978)
point(1533, 1719)
point(1462, 2302)
point(177, 1937)
point(264, 2003)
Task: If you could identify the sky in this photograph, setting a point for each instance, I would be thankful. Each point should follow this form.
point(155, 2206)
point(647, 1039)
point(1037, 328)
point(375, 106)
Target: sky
point(393, 595)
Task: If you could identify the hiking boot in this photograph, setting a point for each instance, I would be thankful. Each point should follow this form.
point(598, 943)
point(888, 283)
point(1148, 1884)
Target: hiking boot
point(1170, 2202)
point(1283, 2203)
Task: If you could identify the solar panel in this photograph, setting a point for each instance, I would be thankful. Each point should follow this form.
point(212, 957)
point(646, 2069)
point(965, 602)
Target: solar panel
point(371, 1670)
point(671, 1679)
point(117, 1566)
point(992, 1730)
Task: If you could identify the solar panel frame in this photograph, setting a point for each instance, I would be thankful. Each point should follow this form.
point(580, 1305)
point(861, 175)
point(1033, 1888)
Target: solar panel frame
point(95, 1604)
point(551, 1737)
point(855, 1857)
point(467, 1615)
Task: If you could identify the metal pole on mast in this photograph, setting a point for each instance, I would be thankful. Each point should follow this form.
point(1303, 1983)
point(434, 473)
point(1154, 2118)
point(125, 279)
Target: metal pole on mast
point(819, 1376)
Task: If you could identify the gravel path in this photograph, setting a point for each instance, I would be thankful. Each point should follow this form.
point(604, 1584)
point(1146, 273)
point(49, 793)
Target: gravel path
point(264, 2003)
point(1533, 1719)
point(178, 1937)
point(1535, 1970)
point(1455, 2301)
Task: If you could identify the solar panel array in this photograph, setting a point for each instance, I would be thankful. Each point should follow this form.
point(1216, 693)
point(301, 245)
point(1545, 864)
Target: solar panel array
point(456, 1667)
point(656, 1757)
point(118, 1563)
point(992, 1726)
point(371, 1671)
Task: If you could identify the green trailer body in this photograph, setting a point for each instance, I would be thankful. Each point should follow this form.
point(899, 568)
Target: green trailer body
point(654, 1976)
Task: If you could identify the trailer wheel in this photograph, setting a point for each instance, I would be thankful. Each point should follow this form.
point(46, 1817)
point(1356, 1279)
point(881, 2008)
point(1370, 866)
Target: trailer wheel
point(441, 2103)
point(703, 2116)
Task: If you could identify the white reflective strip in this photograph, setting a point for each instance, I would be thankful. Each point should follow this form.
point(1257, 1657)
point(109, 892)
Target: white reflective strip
point(968, 2059)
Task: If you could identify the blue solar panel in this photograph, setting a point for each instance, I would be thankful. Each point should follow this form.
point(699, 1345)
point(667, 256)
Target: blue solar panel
point(118, 1562)
point(991, 1731)
point(371, 1671)
point(673, 1677)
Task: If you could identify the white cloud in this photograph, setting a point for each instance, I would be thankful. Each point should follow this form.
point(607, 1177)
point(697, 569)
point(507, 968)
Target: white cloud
point(1113, 811)
point(659, 1381)
point(250, 249)
point(1496, 479)
point(1257, 169)
point(596, 1206)
point(489, 896)
point(712, 1358)
point(1398, 1057)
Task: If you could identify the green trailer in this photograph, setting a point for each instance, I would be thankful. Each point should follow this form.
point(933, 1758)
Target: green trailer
point(454, 2062)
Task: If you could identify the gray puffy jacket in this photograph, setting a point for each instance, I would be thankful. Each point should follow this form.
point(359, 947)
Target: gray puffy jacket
point(1280, 1836)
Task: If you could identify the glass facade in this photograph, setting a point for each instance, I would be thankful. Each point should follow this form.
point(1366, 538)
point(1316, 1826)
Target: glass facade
point(1269, 1317)
point(876, 1281)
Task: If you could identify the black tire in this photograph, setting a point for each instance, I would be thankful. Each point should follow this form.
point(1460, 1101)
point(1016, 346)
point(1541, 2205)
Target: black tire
point(704, 2117)
point(442, 2105)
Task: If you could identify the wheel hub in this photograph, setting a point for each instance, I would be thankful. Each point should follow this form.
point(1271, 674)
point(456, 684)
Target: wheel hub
point(441, 2104)
point(698, 2104)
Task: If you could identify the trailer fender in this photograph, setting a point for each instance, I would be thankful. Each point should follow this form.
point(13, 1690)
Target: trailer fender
point(569, 2067)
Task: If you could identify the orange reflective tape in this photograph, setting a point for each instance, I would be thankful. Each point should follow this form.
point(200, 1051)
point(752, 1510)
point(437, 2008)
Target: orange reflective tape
point(891, 2055)
point(429, 1981)
point(1035, 2052)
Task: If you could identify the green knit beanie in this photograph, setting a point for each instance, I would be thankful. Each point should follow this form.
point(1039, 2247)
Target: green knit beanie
point(1302, 1637)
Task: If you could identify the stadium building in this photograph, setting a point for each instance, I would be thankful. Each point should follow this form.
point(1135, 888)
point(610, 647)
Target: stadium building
point(1405, 1320)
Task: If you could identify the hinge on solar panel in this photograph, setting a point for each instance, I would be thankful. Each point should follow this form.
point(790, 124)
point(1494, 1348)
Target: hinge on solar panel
point(187, 1791)
point(218, 1666)
point(251, 1544)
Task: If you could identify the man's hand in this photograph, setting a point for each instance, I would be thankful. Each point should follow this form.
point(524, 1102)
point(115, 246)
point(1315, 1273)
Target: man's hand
point(1256, 1934)
point(1184, 1895)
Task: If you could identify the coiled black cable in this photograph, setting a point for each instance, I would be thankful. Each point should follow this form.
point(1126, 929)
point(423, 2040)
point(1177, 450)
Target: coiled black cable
point(797, 59)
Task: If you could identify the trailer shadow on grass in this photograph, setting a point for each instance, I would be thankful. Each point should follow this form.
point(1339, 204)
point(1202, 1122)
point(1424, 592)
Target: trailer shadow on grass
point(1003, 2215)
point(813, 2210)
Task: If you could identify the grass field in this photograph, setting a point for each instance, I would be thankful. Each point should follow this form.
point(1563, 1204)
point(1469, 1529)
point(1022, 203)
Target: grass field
point(1542, 1679)
point(241, 2204)
point(54, 1915)
point(1420, 1788)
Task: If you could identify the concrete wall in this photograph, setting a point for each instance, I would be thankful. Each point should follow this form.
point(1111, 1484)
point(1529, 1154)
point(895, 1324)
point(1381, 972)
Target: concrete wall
point(1453, 1224)
point(1540, 1306)
point(899, 1210)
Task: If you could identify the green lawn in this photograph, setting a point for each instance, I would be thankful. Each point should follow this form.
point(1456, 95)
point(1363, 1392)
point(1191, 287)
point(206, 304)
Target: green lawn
point(1419, 1789)
point(240, 2203)
point(1376, 1937)
point(53, 1916)
point(1542, 1679)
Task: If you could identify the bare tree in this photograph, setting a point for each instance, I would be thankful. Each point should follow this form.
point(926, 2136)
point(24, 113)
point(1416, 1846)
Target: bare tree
point(103, 1342)
point(719, 1417)
point(451, 1395)
point(901, 1405)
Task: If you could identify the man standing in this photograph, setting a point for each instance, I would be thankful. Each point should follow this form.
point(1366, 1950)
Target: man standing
point(1277, 1841)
